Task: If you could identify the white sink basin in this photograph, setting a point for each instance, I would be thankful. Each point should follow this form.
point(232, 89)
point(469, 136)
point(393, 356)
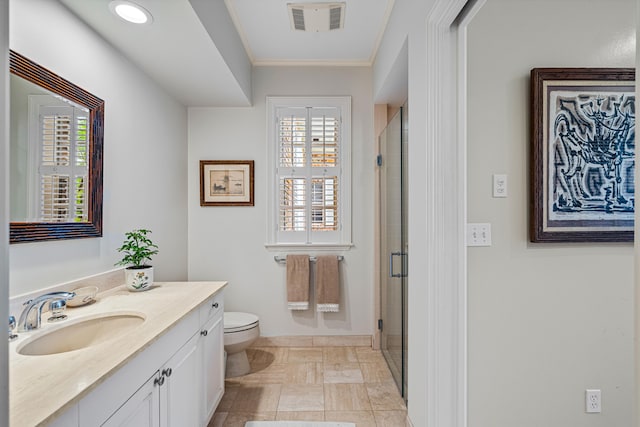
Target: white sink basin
point(81, 333)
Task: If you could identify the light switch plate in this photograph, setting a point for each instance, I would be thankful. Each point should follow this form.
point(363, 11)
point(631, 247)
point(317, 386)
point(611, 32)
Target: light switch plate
point(478, 234)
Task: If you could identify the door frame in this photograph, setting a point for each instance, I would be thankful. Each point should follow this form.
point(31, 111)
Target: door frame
point(438, 217)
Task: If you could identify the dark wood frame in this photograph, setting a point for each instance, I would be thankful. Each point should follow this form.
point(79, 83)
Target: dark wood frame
point(21, 232)
point(204, 163)
point(538, 181)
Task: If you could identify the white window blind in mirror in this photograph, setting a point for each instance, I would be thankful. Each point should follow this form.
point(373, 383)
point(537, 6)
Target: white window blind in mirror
point(62, 165)
point(309, 151)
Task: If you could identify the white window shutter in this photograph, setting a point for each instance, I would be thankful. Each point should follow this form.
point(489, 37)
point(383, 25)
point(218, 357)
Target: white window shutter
point(309, 151)
point(63, 165)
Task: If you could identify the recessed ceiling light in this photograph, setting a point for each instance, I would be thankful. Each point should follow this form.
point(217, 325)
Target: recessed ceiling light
point(131, 12)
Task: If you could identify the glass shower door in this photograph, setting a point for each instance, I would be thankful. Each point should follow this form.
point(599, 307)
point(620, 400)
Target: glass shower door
point(393, 247)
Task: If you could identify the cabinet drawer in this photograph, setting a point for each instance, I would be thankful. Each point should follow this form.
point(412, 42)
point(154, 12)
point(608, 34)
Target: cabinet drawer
point(213, 307)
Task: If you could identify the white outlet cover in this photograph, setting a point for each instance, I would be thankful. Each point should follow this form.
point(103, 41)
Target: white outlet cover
point(593, 402)
point(499, 185)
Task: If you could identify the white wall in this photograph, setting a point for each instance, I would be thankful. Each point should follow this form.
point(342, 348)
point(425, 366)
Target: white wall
point(4, 207)
point(407, 18)
point(546, 321)
point(227, 243)
point(144, 152)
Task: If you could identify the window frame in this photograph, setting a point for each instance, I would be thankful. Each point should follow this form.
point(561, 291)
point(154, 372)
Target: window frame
point(341, 239)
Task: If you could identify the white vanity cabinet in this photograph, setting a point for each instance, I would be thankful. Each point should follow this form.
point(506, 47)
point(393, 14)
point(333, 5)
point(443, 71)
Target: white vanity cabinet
point(179, 393)
point(141, 410)
point(169, 398)
point(212, 354)
point(177, 381)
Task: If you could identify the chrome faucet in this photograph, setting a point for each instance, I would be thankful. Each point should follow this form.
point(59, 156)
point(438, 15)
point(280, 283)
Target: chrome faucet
point(31, 316)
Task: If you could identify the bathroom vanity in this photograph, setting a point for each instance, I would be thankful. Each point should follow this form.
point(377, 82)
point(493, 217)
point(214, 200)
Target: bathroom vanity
point(164, 368)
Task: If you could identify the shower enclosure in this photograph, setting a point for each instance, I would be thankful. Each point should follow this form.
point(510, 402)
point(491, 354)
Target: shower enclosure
point(392, 161)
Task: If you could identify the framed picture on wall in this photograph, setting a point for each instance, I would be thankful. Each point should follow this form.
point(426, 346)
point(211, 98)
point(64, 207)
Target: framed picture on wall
point(582, 158)
point(226, 182)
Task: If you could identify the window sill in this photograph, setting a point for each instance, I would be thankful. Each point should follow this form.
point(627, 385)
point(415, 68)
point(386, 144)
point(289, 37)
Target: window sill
point(305, 247)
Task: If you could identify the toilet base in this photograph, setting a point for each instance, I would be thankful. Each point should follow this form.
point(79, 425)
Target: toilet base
point(237, 365)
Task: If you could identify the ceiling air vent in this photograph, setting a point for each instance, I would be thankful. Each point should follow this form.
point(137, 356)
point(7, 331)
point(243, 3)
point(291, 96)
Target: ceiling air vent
point(316, 17)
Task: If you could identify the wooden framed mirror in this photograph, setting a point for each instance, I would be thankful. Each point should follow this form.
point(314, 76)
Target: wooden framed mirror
point(60, 179)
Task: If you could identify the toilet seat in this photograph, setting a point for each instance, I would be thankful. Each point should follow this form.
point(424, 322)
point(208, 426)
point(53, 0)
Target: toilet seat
point(237, 322)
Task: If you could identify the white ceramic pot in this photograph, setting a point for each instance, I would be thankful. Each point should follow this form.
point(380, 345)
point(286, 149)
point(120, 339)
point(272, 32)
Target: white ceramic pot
point(138, 279)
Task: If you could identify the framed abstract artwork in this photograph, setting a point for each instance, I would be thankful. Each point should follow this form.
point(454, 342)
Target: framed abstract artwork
point(226, 182)
point(582, 154)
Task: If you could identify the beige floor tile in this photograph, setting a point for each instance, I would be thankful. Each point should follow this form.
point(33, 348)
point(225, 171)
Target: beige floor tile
point(369, 355)
point(230, 394)
point(360, 418)
point(395, 361)
point(300, 416)
point(301, 397)
point(385, 397)
point(304, 373)
point(342, 373)
point(239, 419)
point(390, 418)
point(376, 372)
point(300, 355)
point(343, 341)
point(353, 384)
point(339, 355)
point(269, 374)
point(346, 397)
point(218, 419)
point(257, 398)
point(297, 341)
point(267, 355)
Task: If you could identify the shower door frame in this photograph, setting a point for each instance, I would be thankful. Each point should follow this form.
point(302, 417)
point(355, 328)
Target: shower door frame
point(393, 250)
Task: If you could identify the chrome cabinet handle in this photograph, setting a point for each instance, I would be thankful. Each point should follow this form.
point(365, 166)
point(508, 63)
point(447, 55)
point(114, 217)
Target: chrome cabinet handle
point(215, 305)
point(167, 372)
point(159, 381)
point(204, 333)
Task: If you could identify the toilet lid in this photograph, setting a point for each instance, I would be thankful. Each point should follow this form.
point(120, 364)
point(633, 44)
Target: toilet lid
point(235, 321)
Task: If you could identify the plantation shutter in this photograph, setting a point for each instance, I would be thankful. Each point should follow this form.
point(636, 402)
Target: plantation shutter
point(63, 164)
point(308, 173)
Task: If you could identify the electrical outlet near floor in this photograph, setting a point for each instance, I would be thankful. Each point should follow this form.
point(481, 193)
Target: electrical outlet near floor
point(593, 401)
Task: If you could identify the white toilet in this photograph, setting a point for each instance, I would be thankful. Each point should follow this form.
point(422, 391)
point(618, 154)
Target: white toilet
point(240, 331)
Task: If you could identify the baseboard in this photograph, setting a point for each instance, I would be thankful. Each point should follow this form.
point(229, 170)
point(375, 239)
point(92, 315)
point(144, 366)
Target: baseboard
point(315, 341)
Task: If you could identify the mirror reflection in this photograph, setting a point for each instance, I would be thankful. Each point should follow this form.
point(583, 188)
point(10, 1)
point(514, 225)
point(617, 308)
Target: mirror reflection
point(49, 164)
point(56, 156)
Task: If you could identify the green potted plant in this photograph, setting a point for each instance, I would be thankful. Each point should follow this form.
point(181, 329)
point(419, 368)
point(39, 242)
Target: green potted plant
point(138, 250)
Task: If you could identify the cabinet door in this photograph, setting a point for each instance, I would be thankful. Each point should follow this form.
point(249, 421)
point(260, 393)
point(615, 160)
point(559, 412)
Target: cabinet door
point(212, 344)
point(179, 398)
point(69, 418)
point(141, 410)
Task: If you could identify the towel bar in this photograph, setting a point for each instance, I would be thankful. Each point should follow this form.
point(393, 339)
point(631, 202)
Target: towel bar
point(283, 259)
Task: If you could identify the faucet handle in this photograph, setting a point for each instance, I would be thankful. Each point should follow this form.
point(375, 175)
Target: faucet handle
point(57, 307)
point(12, 326)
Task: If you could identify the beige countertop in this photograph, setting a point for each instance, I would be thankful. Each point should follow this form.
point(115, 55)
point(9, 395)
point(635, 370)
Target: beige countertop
point(43, 387)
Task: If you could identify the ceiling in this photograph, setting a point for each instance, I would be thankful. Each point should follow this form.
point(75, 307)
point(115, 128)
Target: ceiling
point(264, 27)
point(202, 52)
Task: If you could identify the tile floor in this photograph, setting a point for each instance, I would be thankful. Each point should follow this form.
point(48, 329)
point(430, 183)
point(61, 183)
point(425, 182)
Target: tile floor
point(350, 384)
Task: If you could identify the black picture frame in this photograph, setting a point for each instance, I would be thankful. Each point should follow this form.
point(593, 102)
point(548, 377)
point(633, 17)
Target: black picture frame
point(582, 154)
